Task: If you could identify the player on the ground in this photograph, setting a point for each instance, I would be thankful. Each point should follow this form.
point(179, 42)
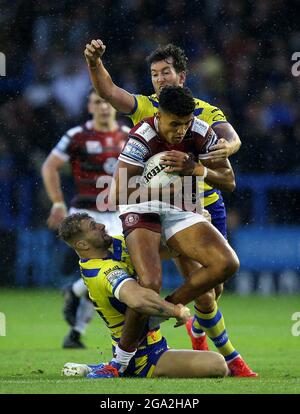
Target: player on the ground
point(111, 280)
point(168, 66)
point(92, 150)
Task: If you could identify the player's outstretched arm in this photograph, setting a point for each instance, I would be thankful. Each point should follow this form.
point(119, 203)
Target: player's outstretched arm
point(148, 302)
point(120, 99)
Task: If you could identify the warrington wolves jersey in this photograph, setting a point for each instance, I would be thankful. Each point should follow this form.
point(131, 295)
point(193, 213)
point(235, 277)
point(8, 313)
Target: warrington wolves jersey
point(104, 278)
point(147, 106)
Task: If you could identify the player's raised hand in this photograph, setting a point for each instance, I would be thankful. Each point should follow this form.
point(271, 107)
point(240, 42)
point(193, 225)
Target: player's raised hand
point(183, 317)
point(57, 214)
point(94, 50)
point(220, 151)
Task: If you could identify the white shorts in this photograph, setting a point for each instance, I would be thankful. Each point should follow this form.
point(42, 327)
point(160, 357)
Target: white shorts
point(175, 221)
point(154, 206)
point(172, 220)
point(113, 224)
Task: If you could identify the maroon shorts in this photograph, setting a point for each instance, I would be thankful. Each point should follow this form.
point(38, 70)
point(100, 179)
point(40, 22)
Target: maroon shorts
point(132, 221)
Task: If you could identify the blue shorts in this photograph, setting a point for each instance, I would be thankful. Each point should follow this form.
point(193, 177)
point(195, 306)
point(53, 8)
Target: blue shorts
point(217, 211)
point(143, 363)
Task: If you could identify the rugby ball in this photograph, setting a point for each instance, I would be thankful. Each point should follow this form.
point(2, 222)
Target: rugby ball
point(154, 175)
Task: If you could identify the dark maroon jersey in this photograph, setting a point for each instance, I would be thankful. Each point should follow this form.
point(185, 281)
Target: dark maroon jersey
point(92, 154)
point(144, 142)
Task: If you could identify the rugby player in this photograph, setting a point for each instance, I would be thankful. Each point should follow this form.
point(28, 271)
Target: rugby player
point(109, 274)
point(168, 66)
point(92, 150)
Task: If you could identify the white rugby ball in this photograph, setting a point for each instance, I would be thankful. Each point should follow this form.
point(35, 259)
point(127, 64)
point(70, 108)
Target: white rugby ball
point(154, 175)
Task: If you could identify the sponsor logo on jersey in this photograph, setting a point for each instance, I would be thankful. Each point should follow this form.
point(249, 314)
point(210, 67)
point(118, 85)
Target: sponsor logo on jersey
point(200, 127)
point(218, 117)
point(146, 132)
point(114, 276)
point(93, 147)
point(135, 149)
point(106, 272)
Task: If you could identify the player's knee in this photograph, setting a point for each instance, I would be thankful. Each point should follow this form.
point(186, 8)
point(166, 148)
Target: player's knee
point(218, 291)
point(228, 264)
point(206, 302)
point(218, 365)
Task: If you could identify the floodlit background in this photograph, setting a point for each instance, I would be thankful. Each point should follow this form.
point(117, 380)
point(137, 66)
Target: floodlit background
point(240, 59)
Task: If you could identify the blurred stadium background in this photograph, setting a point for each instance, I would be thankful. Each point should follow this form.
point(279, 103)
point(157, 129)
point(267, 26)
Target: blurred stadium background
point(239, 60)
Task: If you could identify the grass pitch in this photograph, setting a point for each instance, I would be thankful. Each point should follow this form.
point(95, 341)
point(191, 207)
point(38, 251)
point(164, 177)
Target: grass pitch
point(31, 356)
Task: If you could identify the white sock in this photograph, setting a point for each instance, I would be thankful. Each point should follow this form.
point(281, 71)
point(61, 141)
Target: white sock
point(79, 288)
point(123, 357)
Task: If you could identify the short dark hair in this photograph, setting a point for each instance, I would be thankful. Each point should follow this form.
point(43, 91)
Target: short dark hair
point(70, 227)
point(91, 90)
point(176, 100)
point(165, 52)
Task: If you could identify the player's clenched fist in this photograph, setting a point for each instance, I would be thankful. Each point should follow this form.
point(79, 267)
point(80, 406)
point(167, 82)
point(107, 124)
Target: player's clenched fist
point(183, 316)
point(93, 51)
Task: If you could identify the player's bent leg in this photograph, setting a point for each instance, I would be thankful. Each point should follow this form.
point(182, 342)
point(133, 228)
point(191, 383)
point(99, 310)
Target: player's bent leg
point(204, 244)
point(218, 291)
point(197, 335)
point(187, 267)
point(143, 246)
point(190, 364)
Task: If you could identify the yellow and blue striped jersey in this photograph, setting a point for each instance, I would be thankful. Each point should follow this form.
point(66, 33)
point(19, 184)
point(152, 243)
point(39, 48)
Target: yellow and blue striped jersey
point(146, 106)
point(103, 278)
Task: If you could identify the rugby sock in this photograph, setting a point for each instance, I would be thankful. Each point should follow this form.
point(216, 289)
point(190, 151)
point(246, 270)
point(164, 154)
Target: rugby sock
point(79, 288)
point(197, 332)
point(122, 357)
point(214, 326)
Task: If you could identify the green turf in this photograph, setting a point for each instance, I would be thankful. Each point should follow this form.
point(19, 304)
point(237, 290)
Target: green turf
point(31, 356)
